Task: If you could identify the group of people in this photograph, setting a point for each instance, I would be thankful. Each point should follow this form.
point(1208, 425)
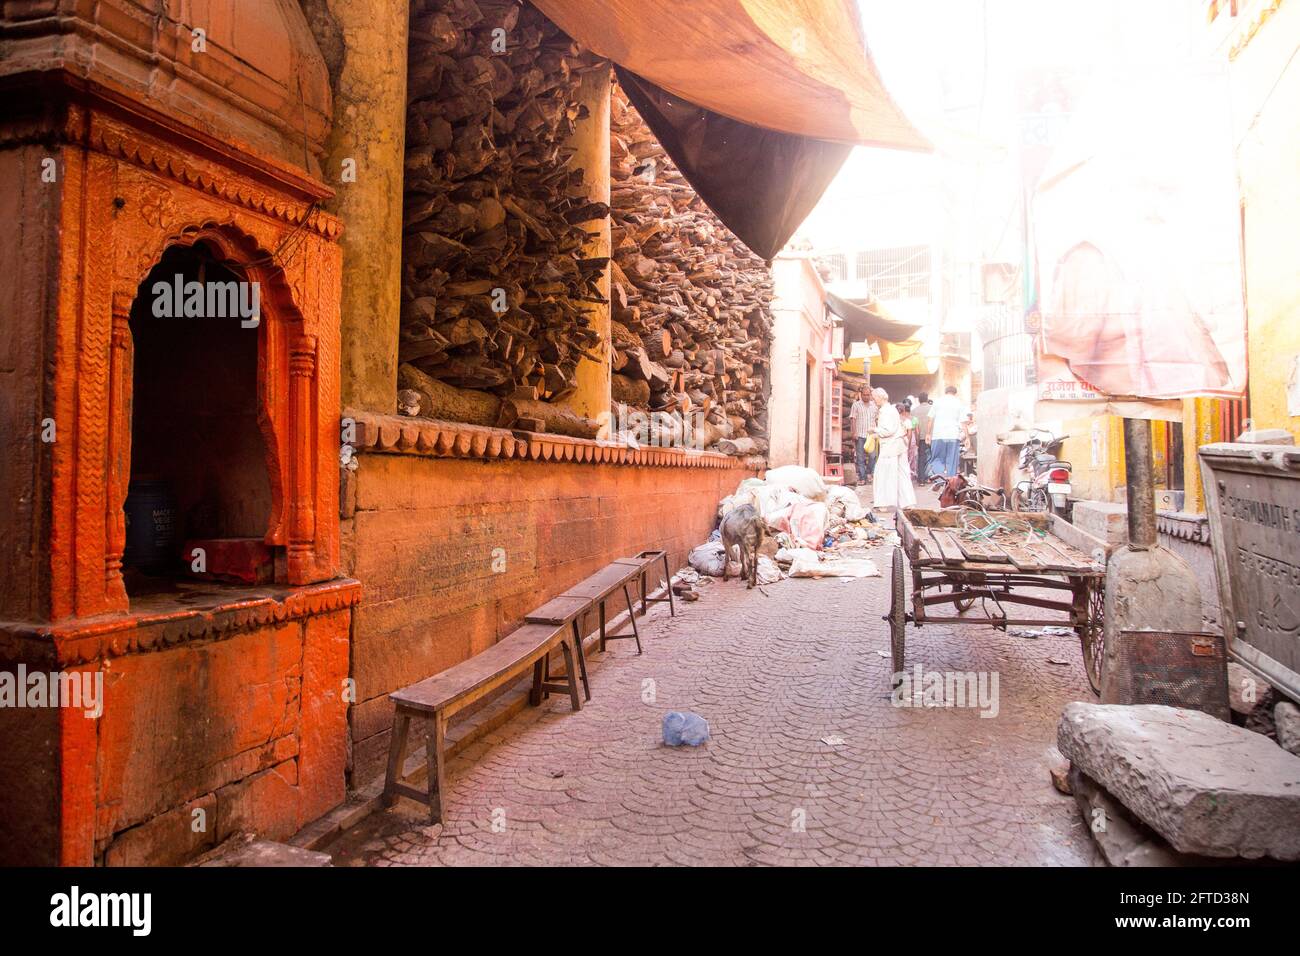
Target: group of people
point(896, 444)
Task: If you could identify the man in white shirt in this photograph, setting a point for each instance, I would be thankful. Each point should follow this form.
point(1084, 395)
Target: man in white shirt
point(862, 418)
point(945, 433)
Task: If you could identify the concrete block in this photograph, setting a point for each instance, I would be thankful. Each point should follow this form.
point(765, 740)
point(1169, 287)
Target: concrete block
point(1103, 520)
point(1206, 786)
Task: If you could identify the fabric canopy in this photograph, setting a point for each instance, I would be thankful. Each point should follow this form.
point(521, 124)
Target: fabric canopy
point(794, 66)
point(1137, 233)
point(761, 183)
point(868, 321)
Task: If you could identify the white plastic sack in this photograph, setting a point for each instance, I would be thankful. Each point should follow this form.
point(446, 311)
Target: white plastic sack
point(809, 565)
point(844, 503)
point(805, 481)
point(768, 572)
point(790, 555)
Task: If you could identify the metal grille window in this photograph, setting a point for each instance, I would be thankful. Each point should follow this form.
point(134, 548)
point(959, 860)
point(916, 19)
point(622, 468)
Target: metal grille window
point(901, 272)
point(1008, 348)
point(839, 266)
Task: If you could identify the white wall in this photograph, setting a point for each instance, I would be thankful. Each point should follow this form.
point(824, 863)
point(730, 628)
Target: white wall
point(799, 348)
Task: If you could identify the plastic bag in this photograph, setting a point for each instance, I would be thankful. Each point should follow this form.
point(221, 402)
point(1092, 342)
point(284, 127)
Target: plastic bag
point(685, 728)
point(709, 558)
point(805, 481)
point(768, 572)
point(844, 503)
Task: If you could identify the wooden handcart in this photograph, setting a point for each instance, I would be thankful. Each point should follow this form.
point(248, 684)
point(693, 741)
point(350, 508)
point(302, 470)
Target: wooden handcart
point(955, 564)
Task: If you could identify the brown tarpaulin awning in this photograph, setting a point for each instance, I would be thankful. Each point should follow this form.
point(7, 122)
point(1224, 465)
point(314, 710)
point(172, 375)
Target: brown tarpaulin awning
point(795, 66)
point(758, 102)
point(761, 183)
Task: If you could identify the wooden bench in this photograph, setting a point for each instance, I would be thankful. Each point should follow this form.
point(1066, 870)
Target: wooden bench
point(555, 624)
point(643, 562)
point(596, 589)
point(564, 611)
point(452, 690)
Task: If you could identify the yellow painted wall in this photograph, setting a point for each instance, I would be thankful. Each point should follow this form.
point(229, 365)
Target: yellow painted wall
point(1265, 77)
point(1096, 450)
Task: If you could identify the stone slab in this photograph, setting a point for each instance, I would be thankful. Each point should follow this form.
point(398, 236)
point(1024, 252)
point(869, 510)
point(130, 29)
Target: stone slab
point(1103, 520)
point(1206, 786)
point(1123, 841)
point(265, 853)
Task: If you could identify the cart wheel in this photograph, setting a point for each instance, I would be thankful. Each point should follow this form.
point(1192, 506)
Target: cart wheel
point(1092, 635)
point(963, 604)
point(897, 613)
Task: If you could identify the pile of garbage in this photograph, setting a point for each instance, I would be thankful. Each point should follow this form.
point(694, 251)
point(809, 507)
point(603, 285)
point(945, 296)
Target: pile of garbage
point(812, 529)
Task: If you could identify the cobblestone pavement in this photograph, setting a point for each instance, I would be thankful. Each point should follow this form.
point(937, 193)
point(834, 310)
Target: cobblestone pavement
point(809, 763)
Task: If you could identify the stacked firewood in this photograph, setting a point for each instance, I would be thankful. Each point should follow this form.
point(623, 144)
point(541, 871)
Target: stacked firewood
point(496, 289)
point(691, 305)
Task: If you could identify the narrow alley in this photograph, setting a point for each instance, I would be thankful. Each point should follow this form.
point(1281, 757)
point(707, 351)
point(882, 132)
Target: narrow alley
point(778, 672)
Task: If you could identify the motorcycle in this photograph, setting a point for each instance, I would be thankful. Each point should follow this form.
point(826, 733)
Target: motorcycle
point(1044, 481)
point(964, 491)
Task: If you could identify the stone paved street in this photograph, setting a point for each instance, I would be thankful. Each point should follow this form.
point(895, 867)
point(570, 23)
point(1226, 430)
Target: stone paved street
point(774, 671)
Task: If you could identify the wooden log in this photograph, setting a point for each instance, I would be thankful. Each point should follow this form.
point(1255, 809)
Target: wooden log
point(630, 391)
point(558, 420)
point(448, 403)
point(742, 446)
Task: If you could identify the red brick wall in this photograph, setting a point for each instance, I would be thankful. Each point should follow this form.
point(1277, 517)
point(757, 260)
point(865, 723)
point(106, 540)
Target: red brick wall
point(421, 542)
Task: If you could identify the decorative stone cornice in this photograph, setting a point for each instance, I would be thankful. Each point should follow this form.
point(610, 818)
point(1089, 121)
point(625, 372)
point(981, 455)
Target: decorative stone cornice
point(1184, 526)
point(158, 158)
point(59, 109)
point(429, 438)
point(88, 640)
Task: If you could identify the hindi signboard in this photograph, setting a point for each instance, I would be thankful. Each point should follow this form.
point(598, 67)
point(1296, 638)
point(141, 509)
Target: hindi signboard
point(1253, 502)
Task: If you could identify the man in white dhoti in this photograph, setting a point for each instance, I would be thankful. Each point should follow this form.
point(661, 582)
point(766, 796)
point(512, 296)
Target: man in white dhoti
point(893, 482)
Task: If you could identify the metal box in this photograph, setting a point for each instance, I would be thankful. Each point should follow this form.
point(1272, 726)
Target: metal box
point(1174, 668)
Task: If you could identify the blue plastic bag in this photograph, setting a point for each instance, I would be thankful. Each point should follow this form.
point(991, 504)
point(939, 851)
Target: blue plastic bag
point(685, 728)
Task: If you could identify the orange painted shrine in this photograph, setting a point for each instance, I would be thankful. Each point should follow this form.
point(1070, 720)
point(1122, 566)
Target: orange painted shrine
point(130, 154)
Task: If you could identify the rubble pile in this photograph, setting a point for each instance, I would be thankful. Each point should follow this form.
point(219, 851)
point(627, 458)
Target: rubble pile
point(812, 529)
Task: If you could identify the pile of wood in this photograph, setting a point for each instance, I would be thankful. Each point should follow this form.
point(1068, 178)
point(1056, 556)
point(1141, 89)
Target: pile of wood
point(692, 317)
point(496, 290)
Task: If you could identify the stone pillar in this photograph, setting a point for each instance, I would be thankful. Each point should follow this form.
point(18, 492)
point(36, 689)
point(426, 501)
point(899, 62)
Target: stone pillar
point(590, 142)
point(365, 45)
point(120, 383)
point(1200, 427)
point(302, 441)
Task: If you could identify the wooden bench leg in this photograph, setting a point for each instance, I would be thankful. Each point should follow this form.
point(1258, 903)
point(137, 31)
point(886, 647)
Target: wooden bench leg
point(571, 667)
point(644, 584)
point(539, 677)
point(396, 756)
point(668, 585)
point(602, 626)
point(582, 659)
point(631, 616)
point(434, 742)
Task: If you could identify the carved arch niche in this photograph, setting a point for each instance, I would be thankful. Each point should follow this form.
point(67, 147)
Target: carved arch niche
point(133, 217)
